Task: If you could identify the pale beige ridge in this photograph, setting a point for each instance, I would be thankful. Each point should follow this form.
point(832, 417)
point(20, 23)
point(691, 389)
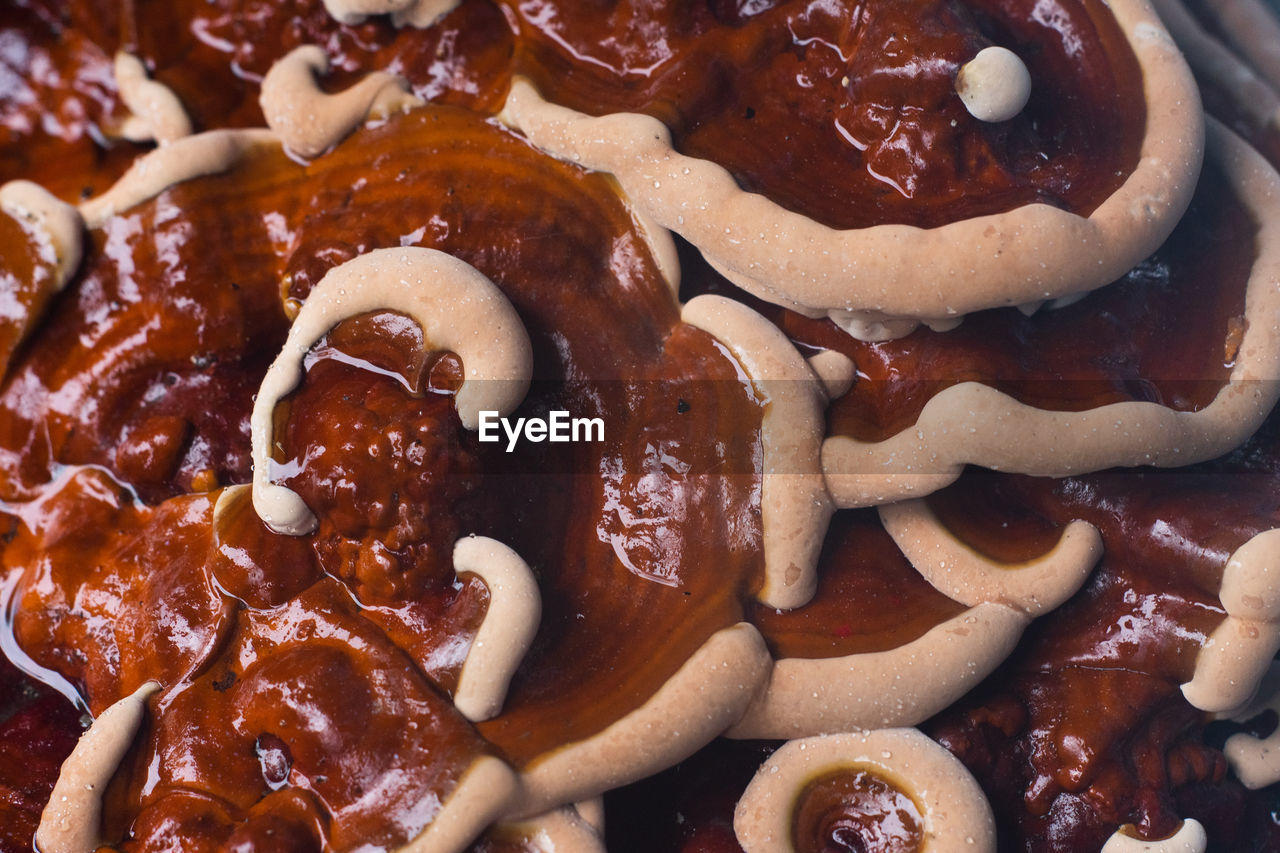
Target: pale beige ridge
point(479, 799)
point(1190, 838)
point(156, 111)
point(191, 157)
point(962, 574)
point(972, 423)
point(955, 815)
point(457, 308)
point(1213, 61)
point(908, 684)
point(308, 121)
point(56, 226)
point(1256, 761)
point(886, 278)
point(561, 831)
point(72, 820)
point(1253, 29)
point(1234, 659)
point(794, 505)
point(417, 13)
point(709, 691)
point(508, 629)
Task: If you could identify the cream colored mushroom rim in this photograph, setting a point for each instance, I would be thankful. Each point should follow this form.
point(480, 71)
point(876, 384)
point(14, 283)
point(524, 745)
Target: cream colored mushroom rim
point(955, 815)
point(880, 281)
point(972, 423)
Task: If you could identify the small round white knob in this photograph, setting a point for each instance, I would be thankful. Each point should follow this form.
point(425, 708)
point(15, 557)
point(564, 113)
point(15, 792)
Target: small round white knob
point(994, 85)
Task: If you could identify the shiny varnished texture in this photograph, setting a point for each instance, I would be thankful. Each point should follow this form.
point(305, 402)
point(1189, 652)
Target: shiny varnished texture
point(308, 680)
point(234, 42)
point(269, 623)
point(24, 278)
point(856, 809)
point(869, 598)
point(1133, 752)
point(38, 728)
point(145, 368)
point(1168, 332)
point(780, 93)
point(821, 85)
point(127, 581)
point(372, 759)
point(60, 106)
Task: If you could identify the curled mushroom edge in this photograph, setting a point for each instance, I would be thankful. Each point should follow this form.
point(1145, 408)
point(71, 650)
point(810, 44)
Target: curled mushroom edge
point(961, 573)
point(309, 121)
point(795, 505)
point(156, 112)
point(57, 227)
point(508, 629)
point(457, 308)
point(817, 270)
point(1190, 838)
point(72, 819)
point(973, 423)
point(956, 815)
point(1233, 661)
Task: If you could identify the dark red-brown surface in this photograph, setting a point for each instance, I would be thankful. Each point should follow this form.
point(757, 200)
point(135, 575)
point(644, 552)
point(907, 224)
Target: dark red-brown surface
point(1084, 728)
point(804, 102)
point(38, 728)
point(145, 369)
point(855, 806)
point(251, 631)
point(810, 90)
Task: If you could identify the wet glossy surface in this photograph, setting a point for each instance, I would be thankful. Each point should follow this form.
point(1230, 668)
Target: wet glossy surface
point(1168, 332)
point(1084, 728)
point(37, 731)
point(856, 809)
point(869, 598)
point(60, 102)
point(817, 90)
point(138, 391)
point(819, 84)
point(260, 627)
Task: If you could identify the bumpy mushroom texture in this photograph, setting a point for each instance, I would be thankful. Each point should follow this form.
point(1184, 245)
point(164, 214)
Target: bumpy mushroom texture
point(373, 588)
point(795, 64)
point(935, 645)
point(1135, 751)
point(214, 55)
point(38, 729)
point(60, 100)
point(458, 310)
point(377, 572)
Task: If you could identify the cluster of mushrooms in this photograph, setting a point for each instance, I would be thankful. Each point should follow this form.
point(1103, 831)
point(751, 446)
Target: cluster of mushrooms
point(401, 664)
